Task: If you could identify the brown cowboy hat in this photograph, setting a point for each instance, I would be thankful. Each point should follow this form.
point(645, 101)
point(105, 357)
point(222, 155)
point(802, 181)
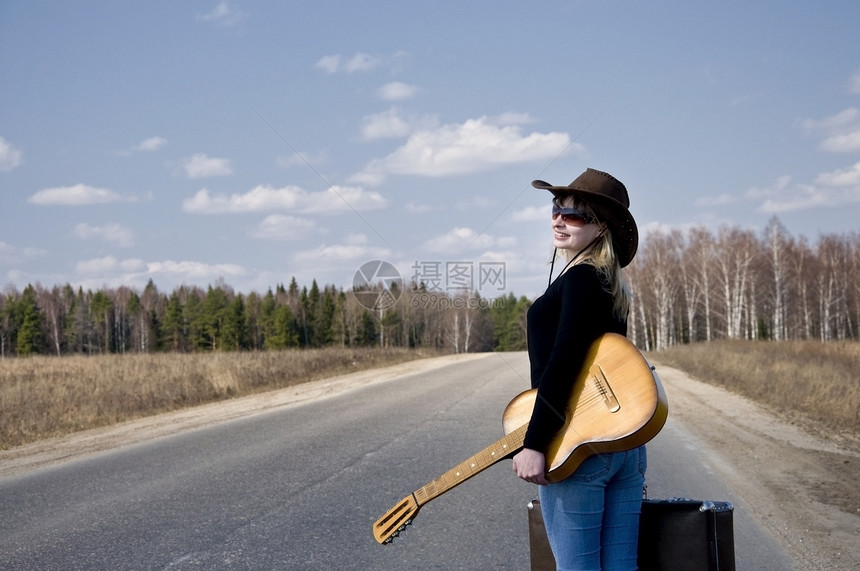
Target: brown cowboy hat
point(607, 196)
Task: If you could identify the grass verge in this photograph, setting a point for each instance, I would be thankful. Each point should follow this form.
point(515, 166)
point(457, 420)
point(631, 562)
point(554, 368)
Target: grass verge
point(42, 397)
point(815, 384)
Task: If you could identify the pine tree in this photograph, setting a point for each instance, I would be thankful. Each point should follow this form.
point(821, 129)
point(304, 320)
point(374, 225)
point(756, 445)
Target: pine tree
point(30, 339)
point(6, 331)
point(368, 334)
point(234, 335)
point(100, 311)
point(194, 319)
point(172, 328)
point(213, 317)
point(253, 321)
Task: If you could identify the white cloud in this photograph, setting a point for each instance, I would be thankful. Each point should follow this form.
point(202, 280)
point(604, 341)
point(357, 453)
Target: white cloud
point(222, 15)
point(355, 249)
point(532, 214)
point(10, 254)
point(202, 166)
point(383, 125)
point(513, 118)
point(390, 124)
point(112, 233)
point(841, 177)
point(846, 117)
point(854, 83)
point(280, 227)
point(396, 91)
point(368, 177)
point(358, 62)
point(780, 187)
point(847, 143)
point(260, 198)
point(151, 144)
point(362, 62)
point(655, 228)
point(292, 198)
point(301, 159)
point(189, 270)
point(834, 189)
point(329, 64)
point(841, 131)
point(10, 157)
point(146, 146)
point(460, 239)
point(800, 197)
point(132, 270)
point(474, 146)
point(77, 195)
point(418, 208)
point(108, 264)
point(841, 134)
point(338, 198)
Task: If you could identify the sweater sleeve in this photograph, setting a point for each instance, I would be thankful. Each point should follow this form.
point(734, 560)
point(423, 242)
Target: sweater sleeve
point(583, 312)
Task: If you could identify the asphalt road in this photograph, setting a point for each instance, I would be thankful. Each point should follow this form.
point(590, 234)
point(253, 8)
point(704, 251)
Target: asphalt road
point(301, 486)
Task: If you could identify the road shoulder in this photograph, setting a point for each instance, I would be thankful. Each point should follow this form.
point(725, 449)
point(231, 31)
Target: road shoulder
point(800, 487)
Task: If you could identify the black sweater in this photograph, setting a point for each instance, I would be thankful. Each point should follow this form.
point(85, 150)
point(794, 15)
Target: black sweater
point(562, 324)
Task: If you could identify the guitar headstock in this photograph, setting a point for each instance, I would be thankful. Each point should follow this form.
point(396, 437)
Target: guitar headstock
point(392, 523)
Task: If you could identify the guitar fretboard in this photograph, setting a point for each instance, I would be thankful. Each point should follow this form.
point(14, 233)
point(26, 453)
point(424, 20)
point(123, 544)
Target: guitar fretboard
point(498, 450)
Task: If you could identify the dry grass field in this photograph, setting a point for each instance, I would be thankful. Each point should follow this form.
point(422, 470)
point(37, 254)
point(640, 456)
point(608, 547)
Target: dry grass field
point(41, 397)
point(812, 383)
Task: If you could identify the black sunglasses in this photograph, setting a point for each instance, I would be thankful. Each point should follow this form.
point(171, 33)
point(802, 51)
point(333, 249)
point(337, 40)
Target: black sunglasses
point(572, 216)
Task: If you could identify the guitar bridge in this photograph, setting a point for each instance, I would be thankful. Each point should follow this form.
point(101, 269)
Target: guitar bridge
point(604, 390)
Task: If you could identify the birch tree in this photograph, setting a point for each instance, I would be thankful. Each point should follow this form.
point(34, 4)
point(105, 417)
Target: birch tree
point(832, 287)
point(687, 283)
point(51, 304)
point(700, 257)
point(778, 247)
point(658, 275)
point(735, 253)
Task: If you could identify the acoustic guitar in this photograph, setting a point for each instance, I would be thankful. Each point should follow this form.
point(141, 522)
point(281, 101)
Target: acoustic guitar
point(617, 404)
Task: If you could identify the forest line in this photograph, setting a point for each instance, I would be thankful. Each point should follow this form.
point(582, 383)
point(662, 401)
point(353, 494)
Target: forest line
point(688, 286)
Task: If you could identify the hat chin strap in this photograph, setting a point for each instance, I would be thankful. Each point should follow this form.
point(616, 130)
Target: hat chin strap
point(573, 259)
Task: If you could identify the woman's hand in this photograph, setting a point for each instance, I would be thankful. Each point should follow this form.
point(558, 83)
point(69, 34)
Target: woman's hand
point(530, 465)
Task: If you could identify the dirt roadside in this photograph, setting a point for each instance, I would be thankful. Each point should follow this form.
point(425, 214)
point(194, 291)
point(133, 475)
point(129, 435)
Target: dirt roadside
point(804, 489)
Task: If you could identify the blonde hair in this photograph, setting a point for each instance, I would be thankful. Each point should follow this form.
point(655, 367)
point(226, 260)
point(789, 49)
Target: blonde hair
point(601, 254)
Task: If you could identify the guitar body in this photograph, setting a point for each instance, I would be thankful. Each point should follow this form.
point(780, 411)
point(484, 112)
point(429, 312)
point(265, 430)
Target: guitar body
point(617, 404)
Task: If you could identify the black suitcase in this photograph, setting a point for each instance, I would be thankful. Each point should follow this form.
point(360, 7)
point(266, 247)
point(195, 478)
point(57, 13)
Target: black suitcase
point(540, 553)
point(686, 535)
point(676, 534)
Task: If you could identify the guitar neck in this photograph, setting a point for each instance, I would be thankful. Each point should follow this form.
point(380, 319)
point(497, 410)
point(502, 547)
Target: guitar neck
point(503, 448)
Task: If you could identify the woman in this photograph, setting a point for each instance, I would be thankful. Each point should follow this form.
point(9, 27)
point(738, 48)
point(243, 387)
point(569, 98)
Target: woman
point(592, 517)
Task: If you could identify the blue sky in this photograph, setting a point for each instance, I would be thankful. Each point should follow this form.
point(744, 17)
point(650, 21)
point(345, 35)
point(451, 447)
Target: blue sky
point(252, 141)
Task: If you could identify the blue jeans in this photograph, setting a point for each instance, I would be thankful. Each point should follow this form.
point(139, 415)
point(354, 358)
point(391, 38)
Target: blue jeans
point(592, 517)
